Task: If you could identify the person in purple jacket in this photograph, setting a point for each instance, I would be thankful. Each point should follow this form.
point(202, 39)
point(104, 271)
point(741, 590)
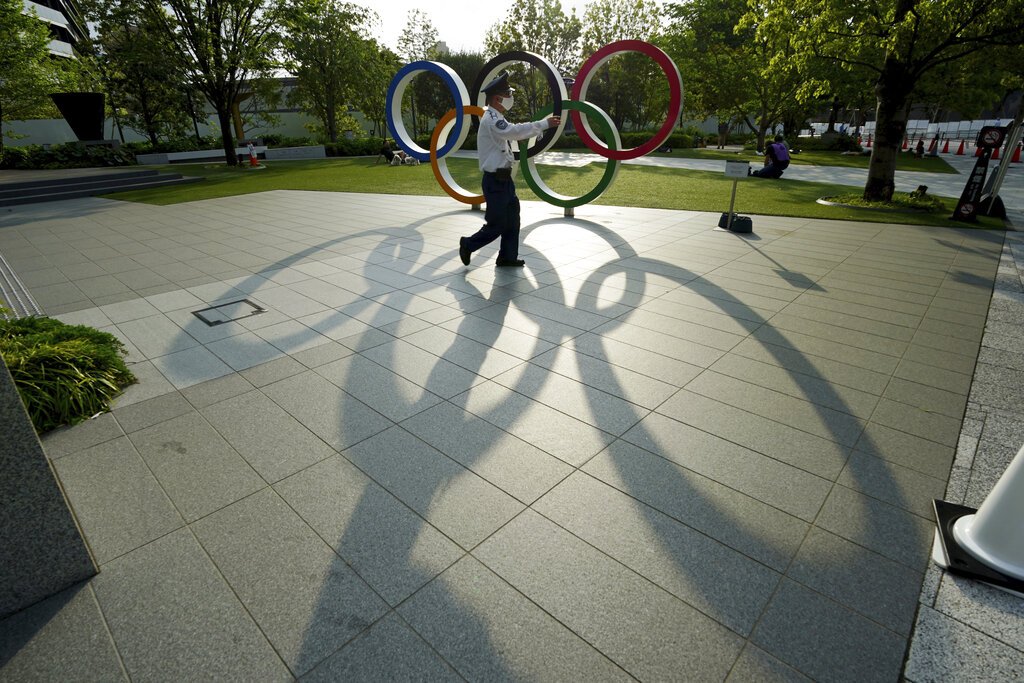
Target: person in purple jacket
point(777, 158)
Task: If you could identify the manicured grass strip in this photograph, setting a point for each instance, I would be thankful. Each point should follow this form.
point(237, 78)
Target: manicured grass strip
point(638, 186)
point(904, 162)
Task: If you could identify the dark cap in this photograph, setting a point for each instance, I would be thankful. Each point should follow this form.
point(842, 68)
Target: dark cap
point(498, 85)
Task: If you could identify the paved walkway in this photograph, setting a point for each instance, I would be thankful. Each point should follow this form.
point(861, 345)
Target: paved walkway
point(661, 451)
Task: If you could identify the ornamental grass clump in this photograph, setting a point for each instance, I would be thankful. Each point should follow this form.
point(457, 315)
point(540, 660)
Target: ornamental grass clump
point(64, 373)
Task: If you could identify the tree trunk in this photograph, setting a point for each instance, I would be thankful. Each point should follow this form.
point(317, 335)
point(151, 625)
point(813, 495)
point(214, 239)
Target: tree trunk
point(224, 118)
point(890, 126)
point(332, 124)
point(832, 114)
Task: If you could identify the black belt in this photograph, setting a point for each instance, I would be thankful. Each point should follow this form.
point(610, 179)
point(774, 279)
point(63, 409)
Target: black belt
point(501, 174)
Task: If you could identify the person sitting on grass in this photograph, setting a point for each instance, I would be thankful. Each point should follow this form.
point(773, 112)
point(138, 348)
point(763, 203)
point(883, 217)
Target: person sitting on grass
point(394, 158)
point(776, 159)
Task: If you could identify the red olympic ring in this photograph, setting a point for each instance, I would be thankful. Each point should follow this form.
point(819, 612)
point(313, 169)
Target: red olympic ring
point(590, 67)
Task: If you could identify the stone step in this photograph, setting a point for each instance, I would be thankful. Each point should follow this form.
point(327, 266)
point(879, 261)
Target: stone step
point(57, 192)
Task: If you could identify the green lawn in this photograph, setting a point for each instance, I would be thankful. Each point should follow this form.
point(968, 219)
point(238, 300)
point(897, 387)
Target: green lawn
point(904, 162)
point(639, 186)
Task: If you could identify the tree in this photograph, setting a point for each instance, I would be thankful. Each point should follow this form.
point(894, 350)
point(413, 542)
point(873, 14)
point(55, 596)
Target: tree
point(27, 73)
point(378, 67)
point(629, 87)
point(140, 77)
point(326, 44)
point(542, 28)
point(418, 41)
point(734, 66)
point(900, 42)
point(224, 47)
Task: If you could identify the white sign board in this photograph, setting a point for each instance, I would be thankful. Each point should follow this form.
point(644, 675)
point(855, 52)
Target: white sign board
point(737, 169)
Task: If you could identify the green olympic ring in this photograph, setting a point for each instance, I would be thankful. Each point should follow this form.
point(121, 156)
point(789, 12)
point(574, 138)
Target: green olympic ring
point(605, 125)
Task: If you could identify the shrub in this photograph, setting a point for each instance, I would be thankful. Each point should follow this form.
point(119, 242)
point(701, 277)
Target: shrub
point(64, 373)
point(69, 155)
point(839, 143)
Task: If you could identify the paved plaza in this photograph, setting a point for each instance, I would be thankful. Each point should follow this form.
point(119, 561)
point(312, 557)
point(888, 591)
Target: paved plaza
point(661, 451)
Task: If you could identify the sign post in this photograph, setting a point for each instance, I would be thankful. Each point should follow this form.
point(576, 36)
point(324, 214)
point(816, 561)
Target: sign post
point(735, 170)
point(990, 138)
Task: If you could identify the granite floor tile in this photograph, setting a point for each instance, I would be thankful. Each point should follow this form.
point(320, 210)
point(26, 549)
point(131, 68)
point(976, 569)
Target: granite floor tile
point(892, 483)
point(243, 351)
point(586, 403)
point(790, 489)
point(376, 386)
point(593, 595)
point(915, 452)
point(932, 376)
point(554, 432)
point(889, 531)
point(826, 641)
point(389, 651)
point(463, 351)
point(943, 648)
point(985, 608)
point(273, 442)
point(875, 587)
point(169, 593)
point(931, 399)
point(393, 549)
point(837, 372)
point(437, 375)
point(190, 367)
point(720, 582)
point(942, 429)
point(61, 638)
point(300, 593)
point(814, 454)
point(118, 503)
point(756, 665)
point(634, 359)
point(452, 498)
point(840, 426)
point(69, 440)
point(327, 411)
point(808, 386)
point(488, 631)
point(156, 336)
point(687, 351)
point(142, 414)
point(198, 469)
point(766, 533)
point(517, 467)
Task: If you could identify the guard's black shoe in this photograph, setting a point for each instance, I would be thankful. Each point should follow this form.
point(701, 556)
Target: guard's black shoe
point(464, 251)
point(510, 263)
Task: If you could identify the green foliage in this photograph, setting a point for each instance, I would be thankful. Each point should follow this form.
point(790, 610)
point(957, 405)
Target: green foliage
point(27, 73)
point(839, 143)
point(64, 373)
point(354, 148)
point(225, 48)
point(69, 155)
point(325, 43)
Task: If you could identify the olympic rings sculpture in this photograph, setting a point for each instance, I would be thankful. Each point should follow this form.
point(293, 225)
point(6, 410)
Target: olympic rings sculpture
point(451, 131)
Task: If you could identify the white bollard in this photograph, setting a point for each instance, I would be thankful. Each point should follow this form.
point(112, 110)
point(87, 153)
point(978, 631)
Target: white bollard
point(995, 533)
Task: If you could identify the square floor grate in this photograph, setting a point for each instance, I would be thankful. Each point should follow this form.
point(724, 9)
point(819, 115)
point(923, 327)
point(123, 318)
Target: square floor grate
point(233, 310)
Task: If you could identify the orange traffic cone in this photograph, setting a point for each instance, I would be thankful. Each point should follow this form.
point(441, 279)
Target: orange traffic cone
point(977, 151)
point(1016, 154)
point(904, 143)
point(995, 153)
point(945, 147)
point(931, 147)
point(858, 140)
point(869, 141)
point(960, 149)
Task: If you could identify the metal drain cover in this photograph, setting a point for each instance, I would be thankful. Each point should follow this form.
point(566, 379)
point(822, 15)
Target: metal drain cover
point(233, 310)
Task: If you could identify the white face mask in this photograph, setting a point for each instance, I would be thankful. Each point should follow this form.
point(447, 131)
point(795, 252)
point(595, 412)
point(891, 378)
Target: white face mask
point(507, 102)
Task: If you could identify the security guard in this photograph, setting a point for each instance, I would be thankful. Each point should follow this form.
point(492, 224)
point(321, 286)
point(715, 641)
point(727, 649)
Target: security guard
point(494, 147)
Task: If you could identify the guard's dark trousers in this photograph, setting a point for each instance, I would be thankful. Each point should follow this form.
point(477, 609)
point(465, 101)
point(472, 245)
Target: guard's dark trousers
point(502, 216)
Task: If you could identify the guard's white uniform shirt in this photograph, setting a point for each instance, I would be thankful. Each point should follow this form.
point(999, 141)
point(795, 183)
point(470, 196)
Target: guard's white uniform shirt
point(495, 137)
